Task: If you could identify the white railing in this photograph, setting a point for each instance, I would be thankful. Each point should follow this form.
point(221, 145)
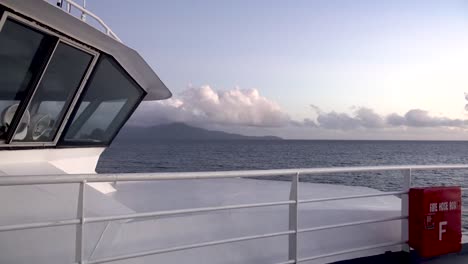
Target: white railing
point(293, 202)
point(85, 12)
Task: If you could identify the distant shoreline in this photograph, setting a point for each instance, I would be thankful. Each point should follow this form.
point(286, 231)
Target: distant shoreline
point(184, 132)
point(181, 131)
point(293, 140)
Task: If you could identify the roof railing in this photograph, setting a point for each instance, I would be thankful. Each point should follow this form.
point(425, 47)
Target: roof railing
point(84, 13)
point(293, 202)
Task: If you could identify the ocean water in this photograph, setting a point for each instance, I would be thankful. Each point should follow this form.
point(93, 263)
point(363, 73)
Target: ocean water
point(177, 156)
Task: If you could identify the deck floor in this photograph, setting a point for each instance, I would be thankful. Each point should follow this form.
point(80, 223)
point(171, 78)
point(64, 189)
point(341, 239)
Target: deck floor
point(452, 259)
point(405, 258)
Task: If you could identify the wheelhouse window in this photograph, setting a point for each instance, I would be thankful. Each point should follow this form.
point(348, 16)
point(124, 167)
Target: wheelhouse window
point(22, 55)
point(53, 96)
point(42, 98)
point(109, 99)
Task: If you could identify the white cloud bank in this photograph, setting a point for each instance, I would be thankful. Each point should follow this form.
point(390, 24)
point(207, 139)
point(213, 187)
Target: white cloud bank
point(206, 106)
point(366, 118)
point(246, 111)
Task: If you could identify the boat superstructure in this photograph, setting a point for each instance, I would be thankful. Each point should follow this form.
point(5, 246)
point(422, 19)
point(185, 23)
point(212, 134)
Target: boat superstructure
point(66, 90)
point(66, 86)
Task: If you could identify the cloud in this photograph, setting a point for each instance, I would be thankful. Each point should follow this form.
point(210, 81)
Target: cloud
point(366, 118)
point(307, 122)
point(421, 118)
point(339, 121)
point(395, 120)
point(204, 105)
point(361, 117)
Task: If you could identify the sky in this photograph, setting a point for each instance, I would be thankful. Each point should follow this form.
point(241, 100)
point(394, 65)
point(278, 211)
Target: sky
point(323, 69)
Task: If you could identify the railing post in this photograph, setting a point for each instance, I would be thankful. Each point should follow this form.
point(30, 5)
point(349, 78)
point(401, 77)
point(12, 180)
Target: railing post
point(83, 14)
point(80, 241)
point(405, 208)
point(293, 216)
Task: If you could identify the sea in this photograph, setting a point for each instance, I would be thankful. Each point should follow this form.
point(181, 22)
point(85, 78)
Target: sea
point(181, 156)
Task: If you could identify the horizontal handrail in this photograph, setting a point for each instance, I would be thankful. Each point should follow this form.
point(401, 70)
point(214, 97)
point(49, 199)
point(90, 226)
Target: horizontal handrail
point(98, 19)
point(107, 29)
point(287, 262)
point(126, 177)
point(184, 211)
point(356, 223)
point(351, 197)
point(39, 225)
point(192, 246)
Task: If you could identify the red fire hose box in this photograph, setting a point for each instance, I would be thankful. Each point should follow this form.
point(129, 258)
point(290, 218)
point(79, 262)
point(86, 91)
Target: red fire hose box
point(435, 220)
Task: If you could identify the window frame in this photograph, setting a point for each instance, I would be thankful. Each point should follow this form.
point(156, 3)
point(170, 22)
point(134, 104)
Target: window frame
point(143, 93)
point(24, 104)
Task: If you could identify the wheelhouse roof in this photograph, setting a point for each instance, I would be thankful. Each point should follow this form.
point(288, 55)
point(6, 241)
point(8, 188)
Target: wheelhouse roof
point(129, 59)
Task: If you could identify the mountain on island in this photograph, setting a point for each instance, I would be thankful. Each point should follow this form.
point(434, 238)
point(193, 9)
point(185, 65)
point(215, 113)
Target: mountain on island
point(180, 131)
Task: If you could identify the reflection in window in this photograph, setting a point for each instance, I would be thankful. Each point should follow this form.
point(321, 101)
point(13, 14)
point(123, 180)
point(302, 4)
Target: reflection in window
point(54, 94)
point(23, 51)
point(109, 99)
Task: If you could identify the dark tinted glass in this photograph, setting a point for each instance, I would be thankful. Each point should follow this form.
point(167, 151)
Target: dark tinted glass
point(23, 51)
point(110, 97)
point(54, 94)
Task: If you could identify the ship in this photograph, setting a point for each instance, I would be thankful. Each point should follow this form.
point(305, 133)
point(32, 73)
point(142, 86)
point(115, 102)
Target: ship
point(68, 86)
